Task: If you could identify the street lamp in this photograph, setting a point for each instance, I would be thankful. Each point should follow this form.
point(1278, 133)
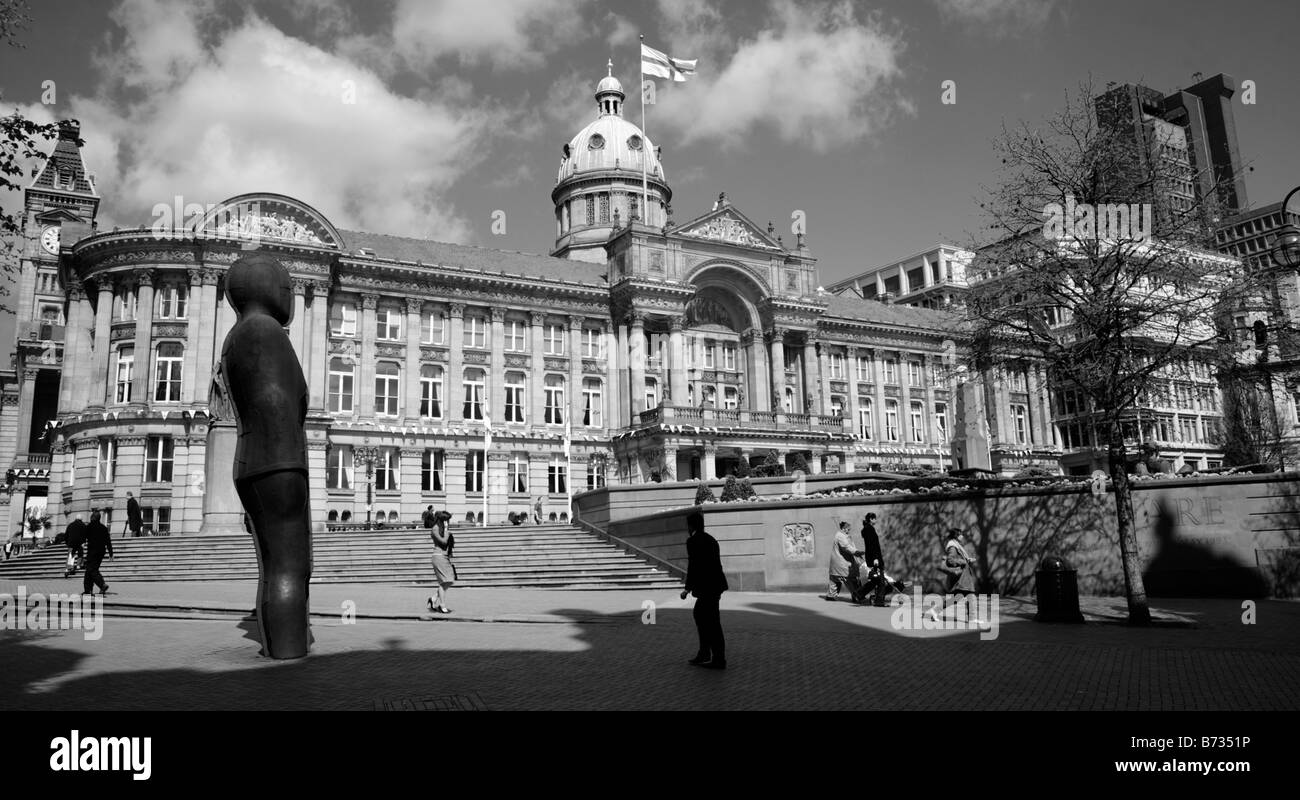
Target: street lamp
point(368, 455)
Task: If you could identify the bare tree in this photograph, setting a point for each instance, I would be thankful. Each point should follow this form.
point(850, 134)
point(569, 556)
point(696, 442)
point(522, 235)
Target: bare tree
point(1098, 266)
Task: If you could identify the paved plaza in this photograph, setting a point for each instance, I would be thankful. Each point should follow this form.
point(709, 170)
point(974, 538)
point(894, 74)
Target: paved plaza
point(193, 646)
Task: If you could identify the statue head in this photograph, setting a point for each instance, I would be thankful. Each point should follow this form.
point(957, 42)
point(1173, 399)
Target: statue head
point(262, 281)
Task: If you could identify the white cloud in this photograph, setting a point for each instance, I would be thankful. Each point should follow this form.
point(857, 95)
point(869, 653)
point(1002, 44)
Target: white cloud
point(817, 76)
point(502, 33)
point(257, 110)
point(998, 17)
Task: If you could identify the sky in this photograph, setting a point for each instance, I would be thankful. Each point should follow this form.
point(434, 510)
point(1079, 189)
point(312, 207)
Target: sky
point(461, 108)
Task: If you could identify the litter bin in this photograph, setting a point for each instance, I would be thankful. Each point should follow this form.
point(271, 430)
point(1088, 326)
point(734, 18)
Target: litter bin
point(1058, 591)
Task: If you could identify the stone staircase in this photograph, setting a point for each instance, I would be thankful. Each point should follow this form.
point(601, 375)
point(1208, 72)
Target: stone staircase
point(538, 556)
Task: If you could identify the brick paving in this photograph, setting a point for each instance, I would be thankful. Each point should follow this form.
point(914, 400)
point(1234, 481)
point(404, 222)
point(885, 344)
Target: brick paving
point(191, 646)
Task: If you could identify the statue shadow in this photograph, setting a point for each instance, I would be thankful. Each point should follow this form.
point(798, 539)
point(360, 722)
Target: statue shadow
point(1183, 568)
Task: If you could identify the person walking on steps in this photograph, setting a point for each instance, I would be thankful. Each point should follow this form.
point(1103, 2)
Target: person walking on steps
point(98, 543)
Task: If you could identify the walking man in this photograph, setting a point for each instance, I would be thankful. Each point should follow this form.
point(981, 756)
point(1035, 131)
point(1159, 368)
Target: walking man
point(134, 519)
point(74, 538)
point(706, 580)
point(842, 553)
point(98, 543)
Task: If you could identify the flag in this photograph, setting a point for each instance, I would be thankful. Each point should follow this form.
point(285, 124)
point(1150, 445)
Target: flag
point(661, 65)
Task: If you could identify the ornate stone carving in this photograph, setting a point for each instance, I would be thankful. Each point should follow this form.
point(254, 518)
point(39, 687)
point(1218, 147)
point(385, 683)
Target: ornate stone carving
point(170, 330)
point(594, 367)
point(265, 226)
point(210, 277)
point(730, 229)
point(369, 302)
point(144, 279)
point(196, 278)
point(456, 310)
point(389, 351)
point(130, 441)
point(299, 286)
point(498, 314)
point(121, 330)
point(575, 322)
point(797, 542)
point(537, 318)
point(475, 357)
point(433, 354)
point(76, 291)
point(556, 363)
point(517, 361)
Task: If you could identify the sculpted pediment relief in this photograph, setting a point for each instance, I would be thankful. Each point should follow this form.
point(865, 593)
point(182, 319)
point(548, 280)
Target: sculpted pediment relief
point(730, 229)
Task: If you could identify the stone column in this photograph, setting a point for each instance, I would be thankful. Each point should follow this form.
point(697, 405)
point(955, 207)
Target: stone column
point(637, 356)
point(78, 362)
point(776, 338)
point(677, 352)
point(144, 360)
point(1039, 414)
point(190, 386)
point(622, 377)
point(454, 483)
point(298, 325)
point(670, 464)
point(575, 372)
point(205, 317)
point(496, 371)
point(810, 375)
point(612, 385)
point(411, 369)
point(364, 397)
point(708, 464)
point(225, 317)
point(878, 414)
point(320, 353)
point(851, 401)
point(222, 510)
point(757, 393)
point(931, 428)
point(100, 391)
point(27, 396)
point(824, 367)
point(905, 401)
point(537, 380)
point(454, 380)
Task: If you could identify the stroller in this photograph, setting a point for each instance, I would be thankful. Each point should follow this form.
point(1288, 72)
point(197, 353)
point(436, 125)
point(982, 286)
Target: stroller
point(867, 579)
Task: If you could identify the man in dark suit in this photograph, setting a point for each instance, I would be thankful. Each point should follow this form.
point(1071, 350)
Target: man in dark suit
point(75, 539)
point(134, 519)
point(97, 544)
point(706, 580)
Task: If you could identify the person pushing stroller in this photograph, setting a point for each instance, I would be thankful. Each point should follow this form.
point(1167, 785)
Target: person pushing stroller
point(874, 579)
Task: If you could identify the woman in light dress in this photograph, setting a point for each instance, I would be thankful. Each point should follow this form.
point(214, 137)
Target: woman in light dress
point(443, 570)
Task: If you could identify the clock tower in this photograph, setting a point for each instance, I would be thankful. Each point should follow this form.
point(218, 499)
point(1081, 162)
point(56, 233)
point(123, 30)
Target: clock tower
point(59, 207)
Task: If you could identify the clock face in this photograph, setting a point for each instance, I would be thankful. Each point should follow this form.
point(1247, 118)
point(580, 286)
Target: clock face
point(50, 240)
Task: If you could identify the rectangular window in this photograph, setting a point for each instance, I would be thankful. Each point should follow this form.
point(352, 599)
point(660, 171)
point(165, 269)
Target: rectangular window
point(864, 368)
point(553, 340)
point(730, 397)
point(157, 520)
point(171, 301)
point(431, 391)
point(388, 324)
point(341, 378)
point(474, 385)
point(338, 467)
point(729, 356)
point(592, 403)
point(651, 393)
point(515, 397)
point(517, 474)
point(343, 319)
point(515, 336)
point(891, 420)
point(158, 459)
point(433, 326)
point(710, 355)
point(474, 461)
point(941, 421)
point(836, 361)
point(1020, 423)
point(167, 382)
point(891, 370)
point(387, 388)
point(913, 373)
point(916, 414)
point(126, 305)
point(593, 343)
point(475, 332)
point(865, 426)
point(106, 461)
point(431, 467)
point(557, 477)
point(554, 400)
point(386, 470)
point(595, 475)
point(125, 372)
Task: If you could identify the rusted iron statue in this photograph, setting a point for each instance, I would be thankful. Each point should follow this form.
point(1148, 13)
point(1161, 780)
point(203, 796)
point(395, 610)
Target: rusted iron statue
point(263, 386)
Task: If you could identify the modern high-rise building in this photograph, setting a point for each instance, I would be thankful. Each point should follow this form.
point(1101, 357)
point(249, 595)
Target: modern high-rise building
point(934, 278)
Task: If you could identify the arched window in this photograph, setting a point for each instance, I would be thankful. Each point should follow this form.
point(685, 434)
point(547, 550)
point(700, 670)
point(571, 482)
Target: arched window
point(346, 516)
point(341, 376)
point(388, 378)
point(333, 516)
point(167, 380)
point(431, 391)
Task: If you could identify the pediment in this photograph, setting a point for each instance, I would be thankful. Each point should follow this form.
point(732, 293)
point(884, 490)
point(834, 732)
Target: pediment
point(729, 226)
point(57, 216)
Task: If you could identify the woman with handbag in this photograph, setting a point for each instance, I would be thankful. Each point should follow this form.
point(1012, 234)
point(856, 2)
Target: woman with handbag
point(959, 568)
point(443, 570)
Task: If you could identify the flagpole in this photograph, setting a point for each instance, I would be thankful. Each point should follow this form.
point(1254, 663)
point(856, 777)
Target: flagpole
point(645, 145)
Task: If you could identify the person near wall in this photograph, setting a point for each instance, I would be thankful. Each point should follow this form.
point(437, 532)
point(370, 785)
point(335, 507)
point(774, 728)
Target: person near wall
point(876, 579)
point(959, 567)
point(706, 580)
point(842, 556)
point(134, 519)
point(444, 572)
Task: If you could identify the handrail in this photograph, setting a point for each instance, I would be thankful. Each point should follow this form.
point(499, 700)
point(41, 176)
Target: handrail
point(626, 545)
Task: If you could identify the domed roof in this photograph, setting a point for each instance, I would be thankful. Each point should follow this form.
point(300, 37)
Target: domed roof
point(610, 142)
point(609, 84)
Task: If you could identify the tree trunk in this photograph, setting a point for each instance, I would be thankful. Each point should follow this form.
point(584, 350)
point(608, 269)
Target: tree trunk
point(1138, 611)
